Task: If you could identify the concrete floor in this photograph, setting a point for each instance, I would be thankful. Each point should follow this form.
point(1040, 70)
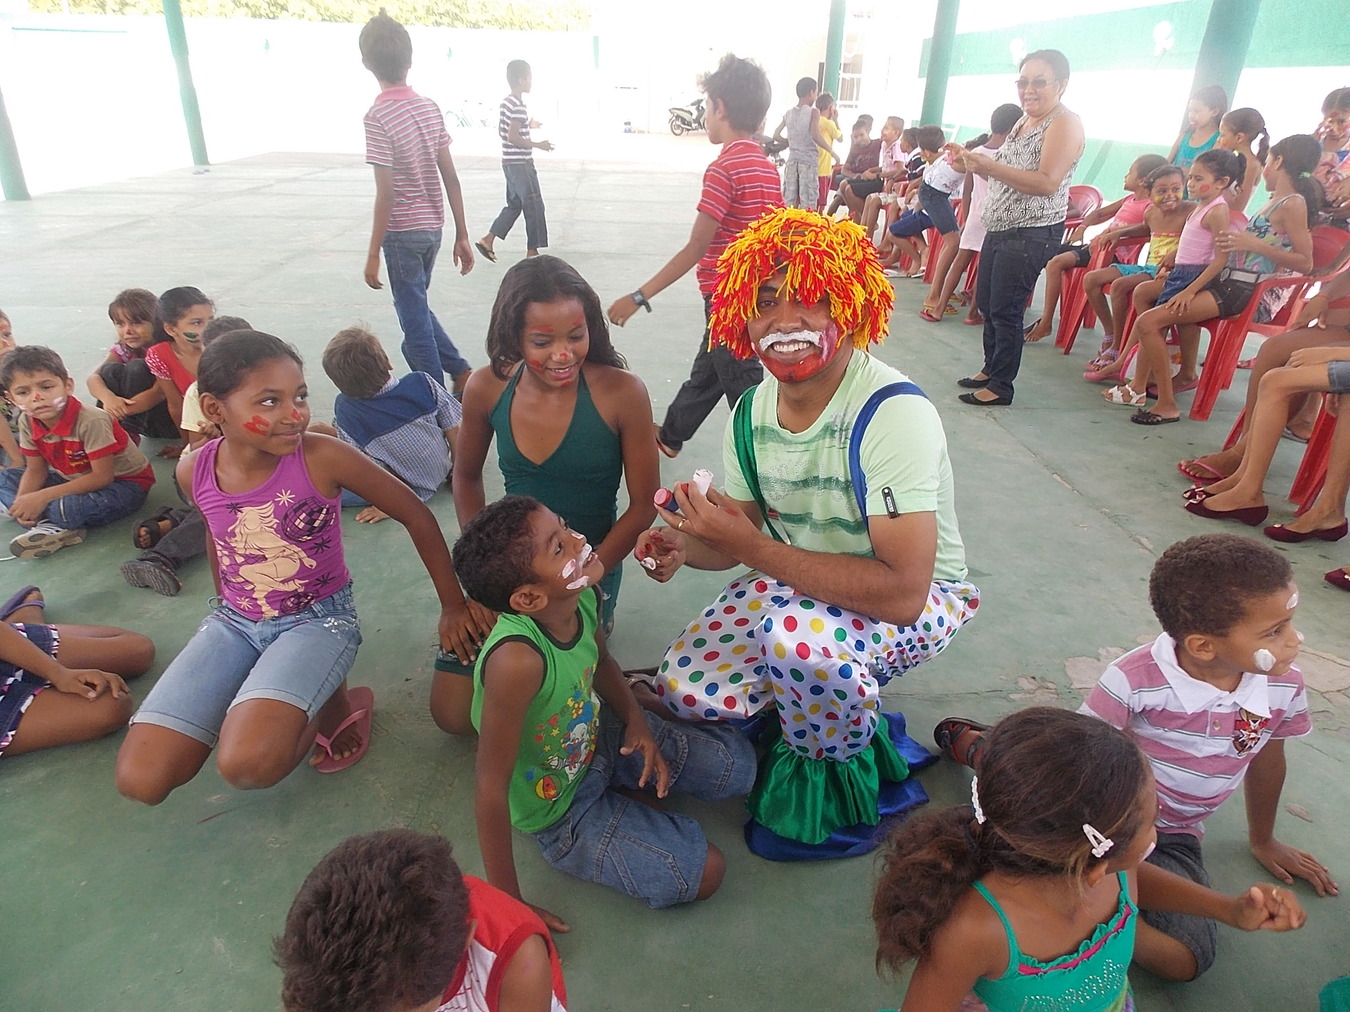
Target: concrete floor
point(1064, 505)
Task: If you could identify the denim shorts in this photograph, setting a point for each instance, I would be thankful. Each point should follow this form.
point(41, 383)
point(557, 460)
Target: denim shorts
point(938, 206)
point(1338, 377)
point(652, 855)
point(910, 224)
point(17, 685)
point(299, 659)
point(1180, 854)
point(1180, 276)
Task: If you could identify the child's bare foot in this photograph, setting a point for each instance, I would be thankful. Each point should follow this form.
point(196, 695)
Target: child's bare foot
point(371, 515)
point(1211, 466)
point(172, 452)
point(1037, 331)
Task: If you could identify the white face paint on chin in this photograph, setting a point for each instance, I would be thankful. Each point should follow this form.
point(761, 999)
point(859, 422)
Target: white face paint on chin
point(573, 567)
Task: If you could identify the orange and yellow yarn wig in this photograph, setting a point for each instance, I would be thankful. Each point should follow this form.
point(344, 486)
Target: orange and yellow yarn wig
point(823, 259)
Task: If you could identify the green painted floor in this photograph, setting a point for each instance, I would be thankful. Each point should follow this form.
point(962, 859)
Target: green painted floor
point(1063, 505)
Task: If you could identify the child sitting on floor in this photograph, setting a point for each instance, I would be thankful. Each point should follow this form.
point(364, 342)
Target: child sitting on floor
point(84, 664)
point(1210, 701)
point(407, 426)
point(9, 424)
point(555, 762)
point(1127, 210)
point(81, 468)
point(123, 385)
point(388, 921)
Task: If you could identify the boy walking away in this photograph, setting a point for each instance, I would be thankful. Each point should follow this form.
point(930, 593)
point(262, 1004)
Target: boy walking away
point(388, 921)
point(806, 146)
point(555, 762)
point(409, 148)
point(1211, 702)
point(738, 187)
point(81, 468)
point(407, 426)
point(522, 181)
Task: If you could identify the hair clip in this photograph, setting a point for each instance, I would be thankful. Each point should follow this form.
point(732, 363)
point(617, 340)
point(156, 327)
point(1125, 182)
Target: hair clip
point(975, 799)
point(1100, 844)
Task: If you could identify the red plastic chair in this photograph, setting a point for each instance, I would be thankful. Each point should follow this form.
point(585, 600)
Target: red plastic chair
point(1074, 310)
point(1083, 200)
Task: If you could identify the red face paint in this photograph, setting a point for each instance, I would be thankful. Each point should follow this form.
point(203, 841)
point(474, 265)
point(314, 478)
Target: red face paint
point(815, 360)
point(258, 424)
point(296, 416)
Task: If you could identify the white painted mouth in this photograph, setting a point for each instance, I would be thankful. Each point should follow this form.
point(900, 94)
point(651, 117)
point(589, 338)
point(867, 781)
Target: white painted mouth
point(791, 344)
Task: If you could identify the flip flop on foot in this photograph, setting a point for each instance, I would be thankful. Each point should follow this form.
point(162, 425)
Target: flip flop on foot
point(930, 314)
point(22, 599)
point(363, 708)
point(1198, 470)
point(949, 732)
point(485, 252)
point(1143, 417)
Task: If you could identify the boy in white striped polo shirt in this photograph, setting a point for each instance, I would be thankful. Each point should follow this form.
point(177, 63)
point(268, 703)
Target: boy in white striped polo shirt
point(1210, 701)
point(522, 180)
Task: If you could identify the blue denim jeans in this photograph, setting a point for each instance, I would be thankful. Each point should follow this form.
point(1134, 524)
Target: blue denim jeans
point(650, 854)
point(299, 659)
point(522, 195)
point(83, 509)
point(1010, 263)
point(410, 257)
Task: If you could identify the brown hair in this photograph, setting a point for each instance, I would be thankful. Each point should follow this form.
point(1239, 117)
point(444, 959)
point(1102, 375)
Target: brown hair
point(136, 304)
point(1043, 773)
point(356, 362)
point(1202, 585)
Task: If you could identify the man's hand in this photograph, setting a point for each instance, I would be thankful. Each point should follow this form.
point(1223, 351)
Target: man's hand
point(87, 682)
point(373, 271)
point(709, 518)
point(637, 737)
point(622, 309)
point(666, 547)
point(462, 252)
point(27, 508)
point(1284, 862)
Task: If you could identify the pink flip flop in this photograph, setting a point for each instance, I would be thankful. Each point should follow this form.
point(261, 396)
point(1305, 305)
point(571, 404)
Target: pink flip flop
point(363, 708)
point(1202, 472)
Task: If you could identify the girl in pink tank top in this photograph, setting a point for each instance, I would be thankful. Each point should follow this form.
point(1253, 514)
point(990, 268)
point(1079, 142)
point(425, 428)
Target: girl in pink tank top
point(265, 674)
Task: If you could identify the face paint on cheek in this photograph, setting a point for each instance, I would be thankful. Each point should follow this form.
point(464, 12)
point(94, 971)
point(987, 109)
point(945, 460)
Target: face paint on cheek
point(191, 337)
point(1293, 601)
point(296, 416)
point(257, 424)
point(1151, 848)
point(1264, 660)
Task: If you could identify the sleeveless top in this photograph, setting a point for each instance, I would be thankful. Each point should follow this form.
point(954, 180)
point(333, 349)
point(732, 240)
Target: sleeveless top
point(278, 546)
point(1197, 242)
point(1090, 979)
point(1131, 212)
point(1187, 153)
point(557, 736)
point(580, 479)
point(501, 925)
point(1259, 225)
point(801, 147)
point(1005, 207)
point(1160, 244)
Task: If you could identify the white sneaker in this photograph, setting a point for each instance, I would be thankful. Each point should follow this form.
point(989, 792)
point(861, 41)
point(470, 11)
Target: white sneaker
point(43, 538)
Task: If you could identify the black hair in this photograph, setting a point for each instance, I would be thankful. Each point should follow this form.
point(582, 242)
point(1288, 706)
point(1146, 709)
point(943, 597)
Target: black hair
point(824, 100)
point(910, 135)
point(386, 48)
point(1203, 584)
point(1299, 155)
point(1146, 164)
point(1212, 96)
point(544, 279)
point(1043, 774)
point(1223, 164)
point(930, 138)
point(1004, 118)
point(1163, 171)
point(865, 119)
point(805, 86)
point(224, 364)
point(30, 358)
point(494, 556)
point(136, 304)
point(1251, 123)
point(173, 305)
point(743, 89)
point(1337, 100)
point(1059, 63)
point(221, 325)
point(356, 362)
point(380, 923)
point(516, 72)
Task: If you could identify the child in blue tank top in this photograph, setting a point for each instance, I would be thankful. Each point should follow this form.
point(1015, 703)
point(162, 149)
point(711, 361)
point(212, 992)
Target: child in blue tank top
point(1030, 895)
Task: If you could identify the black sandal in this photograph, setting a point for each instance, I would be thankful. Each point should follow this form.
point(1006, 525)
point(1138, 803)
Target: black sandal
point(150, 528)
point(949, 730)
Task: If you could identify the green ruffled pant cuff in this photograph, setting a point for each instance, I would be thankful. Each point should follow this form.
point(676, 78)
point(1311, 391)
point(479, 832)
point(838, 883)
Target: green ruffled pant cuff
point(808, 799)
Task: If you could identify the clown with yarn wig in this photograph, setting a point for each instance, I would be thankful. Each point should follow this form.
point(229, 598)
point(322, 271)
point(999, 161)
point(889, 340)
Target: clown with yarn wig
point(837, 506)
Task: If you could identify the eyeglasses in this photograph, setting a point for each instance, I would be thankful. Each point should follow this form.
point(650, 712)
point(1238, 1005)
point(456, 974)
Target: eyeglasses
point(1038, 83)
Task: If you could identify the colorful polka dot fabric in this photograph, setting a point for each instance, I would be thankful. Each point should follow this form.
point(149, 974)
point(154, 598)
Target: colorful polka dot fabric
point(821, 665)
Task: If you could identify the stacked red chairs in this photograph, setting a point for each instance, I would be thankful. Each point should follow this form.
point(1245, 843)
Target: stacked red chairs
point(1074, 310)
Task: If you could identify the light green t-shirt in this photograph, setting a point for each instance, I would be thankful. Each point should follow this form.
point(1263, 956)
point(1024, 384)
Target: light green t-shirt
point(804, 475)
point(557, 739)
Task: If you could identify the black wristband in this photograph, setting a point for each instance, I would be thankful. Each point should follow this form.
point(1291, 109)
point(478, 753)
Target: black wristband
point(641, 300)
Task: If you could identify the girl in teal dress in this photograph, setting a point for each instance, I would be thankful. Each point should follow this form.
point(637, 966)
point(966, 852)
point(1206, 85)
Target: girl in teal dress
point(570, 422)
point(1029, 896)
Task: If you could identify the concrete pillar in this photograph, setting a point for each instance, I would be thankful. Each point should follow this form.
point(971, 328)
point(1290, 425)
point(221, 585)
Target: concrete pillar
point(834, 47)
point(1223, 48)
point(192, 115)
point(940, 61)
point(11, 169)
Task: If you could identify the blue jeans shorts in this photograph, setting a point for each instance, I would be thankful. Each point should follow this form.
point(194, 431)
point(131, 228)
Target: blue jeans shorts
point(938, 206)
point(1338, 377)
point(299, 659)
point(17, 685)
point(652, 855)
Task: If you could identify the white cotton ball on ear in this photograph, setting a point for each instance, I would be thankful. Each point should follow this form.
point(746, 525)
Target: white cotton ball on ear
point(1265, 660)
point(703, 480)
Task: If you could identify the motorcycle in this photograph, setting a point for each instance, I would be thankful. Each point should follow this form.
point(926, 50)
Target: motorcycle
point(686, 119)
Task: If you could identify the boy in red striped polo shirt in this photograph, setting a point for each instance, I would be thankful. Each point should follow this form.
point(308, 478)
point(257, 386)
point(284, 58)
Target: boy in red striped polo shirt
point(81, 469)
point(409, 148)
point(738, 187)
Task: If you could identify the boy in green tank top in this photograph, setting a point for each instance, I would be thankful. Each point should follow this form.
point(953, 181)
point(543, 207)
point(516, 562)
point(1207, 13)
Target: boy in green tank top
point(552, 758)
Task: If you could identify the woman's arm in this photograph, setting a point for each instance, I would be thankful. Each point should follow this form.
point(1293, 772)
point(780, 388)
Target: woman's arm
point(641, 467)
point(472, 445)
point(1062, 146)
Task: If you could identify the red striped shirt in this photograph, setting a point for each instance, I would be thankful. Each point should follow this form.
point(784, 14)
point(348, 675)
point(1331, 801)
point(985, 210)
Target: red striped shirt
point(81, 435)
point(738, 187)
point(404, 132)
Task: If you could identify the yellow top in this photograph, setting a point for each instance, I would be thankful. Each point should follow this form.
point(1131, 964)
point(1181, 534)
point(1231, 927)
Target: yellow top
point(829, 129)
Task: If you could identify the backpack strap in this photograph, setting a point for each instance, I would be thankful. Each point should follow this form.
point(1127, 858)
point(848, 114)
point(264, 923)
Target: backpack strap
point(855, 472)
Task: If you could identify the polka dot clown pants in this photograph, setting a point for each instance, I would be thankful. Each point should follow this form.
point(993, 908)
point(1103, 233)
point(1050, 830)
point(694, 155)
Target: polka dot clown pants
point(821, 665)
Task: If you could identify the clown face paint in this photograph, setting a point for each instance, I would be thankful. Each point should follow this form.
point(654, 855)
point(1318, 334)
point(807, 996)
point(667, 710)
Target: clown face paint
point(703, 480)
point(1264, 660)
point(800, 354)
point(1293, 601)
point(572, 569)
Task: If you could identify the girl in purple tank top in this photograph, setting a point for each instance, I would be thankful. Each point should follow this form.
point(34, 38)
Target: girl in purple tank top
point(265, 674)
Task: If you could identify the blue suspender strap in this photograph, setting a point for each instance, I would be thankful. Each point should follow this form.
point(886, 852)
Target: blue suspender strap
point(860, 423)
